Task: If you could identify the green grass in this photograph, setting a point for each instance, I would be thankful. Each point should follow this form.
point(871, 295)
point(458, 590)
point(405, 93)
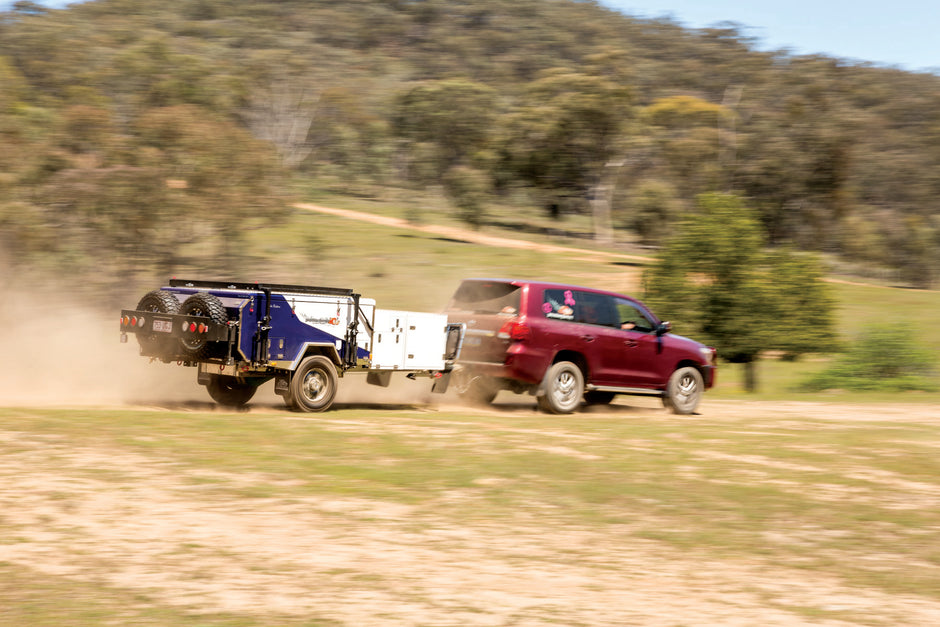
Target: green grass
point(391, 255)
point(407, 269)
point(861, 307)
point(520, 219)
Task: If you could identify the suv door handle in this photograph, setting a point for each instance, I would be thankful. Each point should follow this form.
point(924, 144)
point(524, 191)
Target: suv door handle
point(630, 343)
point(587, 338)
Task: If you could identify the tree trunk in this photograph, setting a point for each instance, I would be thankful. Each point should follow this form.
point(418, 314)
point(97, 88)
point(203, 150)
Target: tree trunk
point(750, 376)
point(601, 197)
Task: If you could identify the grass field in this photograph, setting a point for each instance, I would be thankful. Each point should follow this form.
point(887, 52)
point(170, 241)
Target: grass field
point(751, 513)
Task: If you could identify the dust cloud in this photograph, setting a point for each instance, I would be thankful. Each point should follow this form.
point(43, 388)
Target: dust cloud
point(59, 353)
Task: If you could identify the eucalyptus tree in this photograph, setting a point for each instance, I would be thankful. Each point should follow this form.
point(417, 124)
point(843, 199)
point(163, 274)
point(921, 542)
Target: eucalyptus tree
point(716, 279)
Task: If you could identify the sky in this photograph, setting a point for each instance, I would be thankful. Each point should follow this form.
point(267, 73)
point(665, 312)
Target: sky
point(901, 33)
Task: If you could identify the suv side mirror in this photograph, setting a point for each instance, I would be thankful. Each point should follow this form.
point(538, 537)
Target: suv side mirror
point(663, 328)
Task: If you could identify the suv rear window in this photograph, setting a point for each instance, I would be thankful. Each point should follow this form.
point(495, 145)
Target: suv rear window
point(486, 297)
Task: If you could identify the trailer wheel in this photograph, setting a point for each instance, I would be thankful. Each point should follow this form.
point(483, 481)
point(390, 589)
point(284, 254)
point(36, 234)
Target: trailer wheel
point(207, 306)
point(313, 385)
point(158, 344)
point(229, 391)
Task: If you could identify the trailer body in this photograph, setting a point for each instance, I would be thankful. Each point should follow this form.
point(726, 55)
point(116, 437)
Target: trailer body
point(306, 338)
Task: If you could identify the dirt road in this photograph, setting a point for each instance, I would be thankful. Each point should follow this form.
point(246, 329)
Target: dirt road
point(136, 522)
point(468, 235)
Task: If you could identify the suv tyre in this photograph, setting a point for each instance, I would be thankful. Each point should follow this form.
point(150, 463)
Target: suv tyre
point(684, 390)
point(474, 389)
point(561, 389)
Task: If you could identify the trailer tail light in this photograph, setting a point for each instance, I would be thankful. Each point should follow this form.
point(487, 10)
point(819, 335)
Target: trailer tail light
point(132, 321)
point(515, 331)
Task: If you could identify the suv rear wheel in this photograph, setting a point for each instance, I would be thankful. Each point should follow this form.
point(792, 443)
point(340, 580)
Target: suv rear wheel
point(473, 389)
point(561, 389)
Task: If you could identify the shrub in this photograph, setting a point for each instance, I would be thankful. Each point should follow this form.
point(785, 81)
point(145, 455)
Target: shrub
point(883, 359)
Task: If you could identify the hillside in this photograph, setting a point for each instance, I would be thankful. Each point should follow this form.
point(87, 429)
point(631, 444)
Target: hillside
point(141, 139)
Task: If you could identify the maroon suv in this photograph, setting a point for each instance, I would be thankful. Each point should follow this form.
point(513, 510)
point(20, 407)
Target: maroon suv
point(564, 343)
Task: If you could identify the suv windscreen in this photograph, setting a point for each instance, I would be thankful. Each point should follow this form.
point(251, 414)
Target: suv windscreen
point(486, 297)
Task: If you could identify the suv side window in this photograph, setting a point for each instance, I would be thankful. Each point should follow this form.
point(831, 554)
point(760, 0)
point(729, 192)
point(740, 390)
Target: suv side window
point(596, 309)
point(578, 306)
point(559, 304)
point(632, 317)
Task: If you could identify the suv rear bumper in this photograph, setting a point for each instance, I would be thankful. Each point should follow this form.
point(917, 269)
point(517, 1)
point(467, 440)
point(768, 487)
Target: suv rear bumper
point(522, 367)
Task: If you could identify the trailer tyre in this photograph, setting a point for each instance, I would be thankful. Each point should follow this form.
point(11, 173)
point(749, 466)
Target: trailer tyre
point(229, 391)
point(313, 386)
point(207, 306)
point(158, 344)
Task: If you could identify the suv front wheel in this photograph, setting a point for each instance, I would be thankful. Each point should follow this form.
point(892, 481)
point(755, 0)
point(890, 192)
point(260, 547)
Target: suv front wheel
point(561, 389)
point(684, 390)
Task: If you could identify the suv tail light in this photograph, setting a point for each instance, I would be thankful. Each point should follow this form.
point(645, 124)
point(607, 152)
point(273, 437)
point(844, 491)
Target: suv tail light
point(515, 331)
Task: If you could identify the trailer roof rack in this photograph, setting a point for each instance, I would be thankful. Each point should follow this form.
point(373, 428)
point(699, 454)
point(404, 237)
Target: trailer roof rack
point(256, 287)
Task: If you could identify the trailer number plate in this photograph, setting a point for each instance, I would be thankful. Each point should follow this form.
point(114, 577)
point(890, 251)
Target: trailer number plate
point(163, 326)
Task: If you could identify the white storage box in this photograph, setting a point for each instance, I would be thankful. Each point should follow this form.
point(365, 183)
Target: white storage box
point(408, 340)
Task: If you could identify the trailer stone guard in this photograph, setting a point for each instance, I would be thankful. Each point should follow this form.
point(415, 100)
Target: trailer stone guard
point(240, 335)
